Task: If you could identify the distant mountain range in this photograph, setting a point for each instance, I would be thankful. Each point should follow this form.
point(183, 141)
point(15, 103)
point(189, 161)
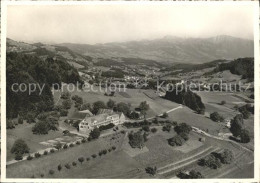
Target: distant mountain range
point(171, 49)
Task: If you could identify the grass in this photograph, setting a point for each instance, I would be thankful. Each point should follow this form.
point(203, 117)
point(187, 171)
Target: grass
point(24, 132)
point(43, 164)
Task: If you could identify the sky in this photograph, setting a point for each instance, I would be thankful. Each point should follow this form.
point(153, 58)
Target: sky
point(92, 24)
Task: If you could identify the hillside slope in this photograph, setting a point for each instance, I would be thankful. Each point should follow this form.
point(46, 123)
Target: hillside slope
point(171, 49)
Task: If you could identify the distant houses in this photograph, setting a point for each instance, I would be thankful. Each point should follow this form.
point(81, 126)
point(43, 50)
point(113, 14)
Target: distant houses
point(103, 117)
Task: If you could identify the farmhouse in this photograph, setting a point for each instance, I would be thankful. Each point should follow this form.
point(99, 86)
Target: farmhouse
point(89, 123)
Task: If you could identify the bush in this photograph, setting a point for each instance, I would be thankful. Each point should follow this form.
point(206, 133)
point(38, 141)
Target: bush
point(45, 152)
point(74, 163)
point(223, 102)
point(37, 155)
point(42, 175)
point(114, 148)
point(20, 120)
point(94, 155)
point(83, 140)
point(58, 146)
point(78, 142)
point(71, 145)
point(29, 157)
point(51, 172)
point(65, 146)
point(151, 170)
point(153, 130)
point(52, 151)
point(87, 159)
point(67, 166)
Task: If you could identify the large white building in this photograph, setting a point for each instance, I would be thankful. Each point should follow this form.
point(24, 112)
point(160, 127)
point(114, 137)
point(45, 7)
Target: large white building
point(89, 123)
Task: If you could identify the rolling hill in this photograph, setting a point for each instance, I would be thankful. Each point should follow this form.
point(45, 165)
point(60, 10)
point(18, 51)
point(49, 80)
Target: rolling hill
point(171, 49)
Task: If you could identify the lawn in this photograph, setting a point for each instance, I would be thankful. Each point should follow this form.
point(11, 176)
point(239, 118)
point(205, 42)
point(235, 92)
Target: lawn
point(43, 164)
point(24, 132)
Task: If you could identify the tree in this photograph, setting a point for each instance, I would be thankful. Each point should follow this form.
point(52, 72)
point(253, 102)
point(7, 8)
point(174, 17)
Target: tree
point(20, 147)
point(51, 172)
point(59, 167)
point(37, 155)
point(66, 104)
point(98, 105)
point(124, 108)
point(177, 140)
point(85, 106)
point(41, 127)
point(167, 128)
point(165, 115)
point(211, 161)
point(65, 95)
point(215, 116)
point(151, 170)
point(63, 112)
point(94, 134)
point(144, 107)
point(136, 140)
point(146, 128)
point(74, 163)
point(185, 136)
point(195, 175)
point(81, 160)
point(182, 128)
point(111, 104)
point(9, 124)
point(18, 156)
point(20, 120)
point(223, 102)
point(244, 136)
point(58, 146)
point(134, 115)
point(153, 130)
point(236, 125)
point(226, 157)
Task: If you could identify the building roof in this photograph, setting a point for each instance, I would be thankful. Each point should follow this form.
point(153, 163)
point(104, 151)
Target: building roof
point(99, 118)
point(86, 112)
point(105, 111)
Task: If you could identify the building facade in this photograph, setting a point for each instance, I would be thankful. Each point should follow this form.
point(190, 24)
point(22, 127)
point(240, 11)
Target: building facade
point(89, 123)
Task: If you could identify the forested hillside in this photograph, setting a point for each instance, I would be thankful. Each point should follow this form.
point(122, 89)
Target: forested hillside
point(24, 68)
point(241, 66)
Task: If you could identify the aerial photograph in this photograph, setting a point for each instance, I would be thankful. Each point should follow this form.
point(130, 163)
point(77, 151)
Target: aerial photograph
point(130, 91)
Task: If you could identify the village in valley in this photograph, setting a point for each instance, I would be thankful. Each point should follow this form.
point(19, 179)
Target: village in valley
point(164, 108)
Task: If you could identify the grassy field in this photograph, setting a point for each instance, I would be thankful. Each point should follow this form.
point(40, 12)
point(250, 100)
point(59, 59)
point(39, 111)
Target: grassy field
point(133, 96)
point(45, 163)
point(24, 132)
